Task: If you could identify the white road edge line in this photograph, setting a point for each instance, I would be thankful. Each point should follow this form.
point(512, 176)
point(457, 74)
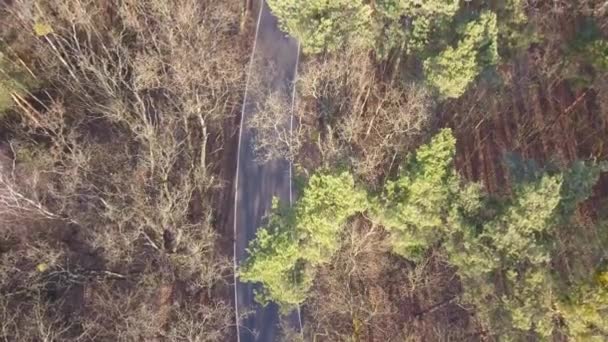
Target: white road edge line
point(293, 103)
point(236, 178)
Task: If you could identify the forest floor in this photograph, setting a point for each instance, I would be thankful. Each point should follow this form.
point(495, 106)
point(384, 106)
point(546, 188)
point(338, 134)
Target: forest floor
point(538, 120)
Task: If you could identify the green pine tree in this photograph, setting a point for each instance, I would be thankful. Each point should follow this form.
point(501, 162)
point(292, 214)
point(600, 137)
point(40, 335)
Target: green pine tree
point(409, 24)
point(585, 309)
point(412, 207)
point(504, 260)
point(322, 25)
point(286, 251)
point(455, 68)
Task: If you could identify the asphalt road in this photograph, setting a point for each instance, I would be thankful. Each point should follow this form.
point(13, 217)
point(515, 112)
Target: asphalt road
point(275, 61)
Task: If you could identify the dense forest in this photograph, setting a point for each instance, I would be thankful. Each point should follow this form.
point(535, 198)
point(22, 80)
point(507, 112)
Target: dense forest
point(450, 156)
point(116, 117)
point(452, 162)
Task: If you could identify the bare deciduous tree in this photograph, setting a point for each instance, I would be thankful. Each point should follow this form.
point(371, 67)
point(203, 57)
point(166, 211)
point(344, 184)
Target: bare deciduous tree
point(368, 293)
point(364, 119)
point(276, 135)
point(119, 152)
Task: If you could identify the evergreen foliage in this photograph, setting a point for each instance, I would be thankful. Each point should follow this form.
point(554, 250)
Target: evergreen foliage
point(412, 207)
point(504, 263)
point(322, 25)
point(273, 260)
point(585, 309)
point(455, 68)
point(596, 53)
point(409, 24)
point(502, 248)
point(502, 268)
point(515, 33)
point(286, 251)
point(452, 59)
point(585, 57)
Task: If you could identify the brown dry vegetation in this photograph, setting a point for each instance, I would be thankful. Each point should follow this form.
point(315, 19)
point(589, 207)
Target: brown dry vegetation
point(550, 107)
point(543, 102)
point(113, 167)
point(540, 109)
point(353, 115)
point(370, 294)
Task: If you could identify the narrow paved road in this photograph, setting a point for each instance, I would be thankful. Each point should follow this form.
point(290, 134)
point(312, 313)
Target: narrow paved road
point(275, 61)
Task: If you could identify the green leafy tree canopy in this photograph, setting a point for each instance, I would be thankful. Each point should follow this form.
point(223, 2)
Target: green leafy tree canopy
point(322, 25)
point(455, 68)
point(286, 251)
point(412, 207)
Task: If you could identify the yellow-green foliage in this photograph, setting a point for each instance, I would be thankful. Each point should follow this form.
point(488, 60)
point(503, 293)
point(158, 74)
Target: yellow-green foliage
point(274, 255)
point(602, 278)
point(502, 248)
point(413, 206)
point(585, 310)
point(528, 306)
point(42, 29)
point(6, 85)
point(513, 238)
point(13, 80)
point(596, 53)
point(286, 251)
point(425, 17)
point(516, 246)
point(515, 232)
point(514, 31)
point(455, 68)
point(322, 25)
